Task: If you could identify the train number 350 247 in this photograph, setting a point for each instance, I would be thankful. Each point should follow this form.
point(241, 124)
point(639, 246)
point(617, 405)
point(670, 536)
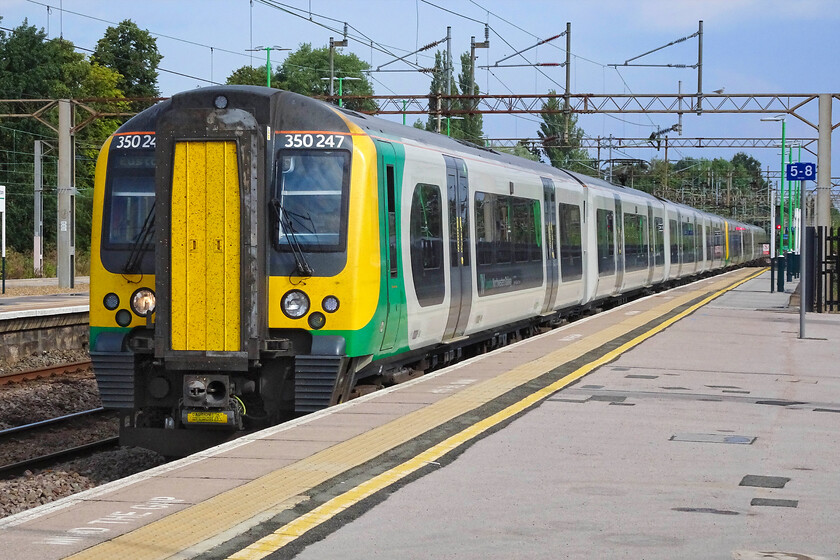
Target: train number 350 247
point(125, 141)
point(312, 140)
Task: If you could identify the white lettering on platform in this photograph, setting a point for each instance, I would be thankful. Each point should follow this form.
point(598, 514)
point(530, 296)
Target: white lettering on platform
point(103, 524)
point(455, 385)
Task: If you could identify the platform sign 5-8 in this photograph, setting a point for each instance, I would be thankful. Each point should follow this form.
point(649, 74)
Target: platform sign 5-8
point(801, 171)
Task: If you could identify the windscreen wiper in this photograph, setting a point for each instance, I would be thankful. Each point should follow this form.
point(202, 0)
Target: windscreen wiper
point(283, 223)
point(142, 243)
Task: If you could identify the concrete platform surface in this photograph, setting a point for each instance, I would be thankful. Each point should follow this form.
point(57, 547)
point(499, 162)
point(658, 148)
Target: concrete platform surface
point(717, 438)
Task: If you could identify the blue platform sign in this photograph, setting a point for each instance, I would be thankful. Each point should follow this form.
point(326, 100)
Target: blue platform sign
point(801, 171)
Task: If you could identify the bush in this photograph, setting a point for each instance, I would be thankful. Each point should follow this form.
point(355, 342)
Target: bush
point(20, 265)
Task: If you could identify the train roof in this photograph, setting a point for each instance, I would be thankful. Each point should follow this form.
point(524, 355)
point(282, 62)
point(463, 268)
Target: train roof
point(146, 120)
point(319, 110)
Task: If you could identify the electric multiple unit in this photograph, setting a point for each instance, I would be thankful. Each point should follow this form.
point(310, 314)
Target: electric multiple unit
point(256, 254)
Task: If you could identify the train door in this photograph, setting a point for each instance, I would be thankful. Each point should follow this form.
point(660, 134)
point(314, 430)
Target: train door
point(205, 229)
point(651, 244)
point(726, 243)
point(674, 233)
point(550, 210)
point(619, 244)
point(460, 267)
point(390, 269)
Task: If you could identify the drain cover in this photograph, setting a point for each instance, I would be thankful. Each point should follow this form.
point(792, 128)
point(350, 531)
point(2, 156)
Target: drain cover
point(706, 510)
point(607, 398)
point(774, 402)
point(713, 438)
point(774, 503)
point(764, 481)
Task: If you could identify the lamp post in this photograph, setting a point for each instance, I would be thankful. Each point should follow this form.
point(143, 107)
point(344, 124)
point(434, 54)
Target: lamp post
point(449, 124)
point(782, 244)
point(268, 60)
point(340, 86)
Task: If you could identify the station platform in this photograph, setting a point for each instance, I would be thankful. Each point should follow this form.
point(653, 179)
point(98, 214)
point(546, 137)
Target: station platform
point(689, 424)
point(34, 297)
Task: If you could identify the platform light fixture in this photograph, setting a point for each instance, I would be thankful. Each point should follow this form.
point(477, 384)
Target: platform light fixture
point(340, 85)
point(782, 244)
point(268, 60)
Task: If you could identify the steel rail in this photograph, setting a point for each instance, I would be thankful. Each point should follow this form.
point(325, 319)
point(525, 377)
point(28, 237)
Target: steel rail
point(6, 378)
point(56, 420)
point(51, 458)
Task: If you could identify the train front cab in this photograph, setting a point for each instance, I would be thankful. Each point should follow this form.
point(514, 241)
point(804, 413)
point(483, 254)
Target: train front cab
point(255, 317)
point(122, 256)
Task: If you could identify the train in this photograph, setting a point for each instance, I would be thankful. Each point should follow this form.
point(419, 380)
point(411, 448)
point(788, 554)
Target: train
point(258, 254)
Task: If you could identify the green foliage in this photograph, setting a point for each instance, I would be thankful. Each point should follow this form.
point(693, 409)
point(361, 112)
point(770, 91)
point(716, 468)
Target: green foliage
point(471, 127)
point(307, 71)
point(520, 150)
point(133, 53)
point(20, 264)
point(33, 67)
point(562, 150)
point(438, 87)
point(248, 76)
point(466, 127)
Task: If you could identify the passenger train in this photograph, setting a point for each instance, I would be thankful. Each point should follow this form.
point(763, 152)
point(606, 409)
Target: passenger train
point(257, 254)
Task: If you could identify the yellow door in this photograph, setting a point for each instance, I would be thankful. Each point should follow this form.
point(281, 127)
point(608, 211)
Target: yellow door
point(205, 267)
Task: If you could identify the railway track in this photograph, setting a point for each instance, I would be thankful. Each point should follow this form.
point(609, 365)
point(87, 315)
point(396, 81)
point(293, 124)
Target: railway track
point(17, 377)
point(41, 444)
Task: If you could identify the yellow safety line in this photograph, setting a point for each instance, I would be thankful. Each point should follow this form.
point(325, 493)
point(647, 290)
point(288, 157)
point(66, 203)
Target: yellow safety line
point(291, 531)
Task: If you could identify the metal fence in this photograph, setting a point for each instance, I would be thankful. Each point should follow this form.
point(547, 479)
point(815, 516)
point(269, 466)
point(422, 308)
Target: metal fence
point(822, 250)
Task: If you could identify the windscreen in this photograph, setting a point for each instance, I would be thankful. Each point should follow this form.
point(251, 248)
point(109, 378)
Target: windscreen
point(311, 187)
point(129, 198)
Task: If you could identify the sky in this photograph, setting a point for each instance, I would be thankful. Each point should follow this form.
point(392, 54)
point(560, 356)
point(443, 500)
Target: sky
point(749, 47)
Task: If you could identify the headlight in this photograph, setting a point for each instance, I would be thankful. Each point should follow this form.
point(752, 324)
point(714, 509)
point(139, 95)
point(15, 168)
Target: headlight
point(295, 304)
point(143, 302)
point(330, 304)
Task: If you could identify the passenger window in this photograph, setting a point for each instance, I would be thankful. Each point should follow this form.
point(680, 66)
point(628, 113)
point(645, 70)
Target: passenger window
point(688, 242)
point(508, 243)
point(606, 244)
point(571, 252)
point(426, 239)
point(635, 242)
point(392, 220)
point(674, 233)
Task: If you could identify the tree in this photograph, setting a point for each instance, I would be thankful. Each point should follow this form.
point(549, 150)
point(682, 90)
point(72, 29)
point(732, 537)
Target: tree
point(521, 150)
point(248, 76)
point(563, 151)
point(471, 126)
point(438, 87)
point(81, 78)
point(307, 71)
point(29, 68)
point(133, 53)
point(33, 67)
